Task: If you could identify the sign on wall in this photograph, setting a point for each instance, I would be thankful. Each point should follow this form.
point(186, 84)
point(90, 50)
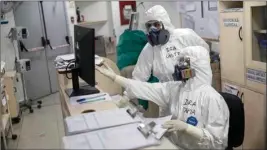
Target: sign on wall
point(126, 7)
point(256, 76)
point(231, 22)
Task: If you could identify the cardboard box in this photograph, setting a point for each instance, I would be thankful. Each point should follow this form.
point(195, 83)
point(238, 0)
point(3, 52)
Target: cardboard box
point(215, 67)
point(216, 76)
point(216, 81)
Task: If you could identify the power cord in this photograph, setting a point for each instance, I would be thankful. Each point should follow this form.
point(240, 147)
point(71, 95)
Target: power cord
point(69, 67)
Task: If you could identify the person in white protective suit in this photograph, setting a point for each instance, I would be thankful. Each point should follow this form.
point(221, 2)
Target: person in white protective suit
point(201, 116)
point(159, 58)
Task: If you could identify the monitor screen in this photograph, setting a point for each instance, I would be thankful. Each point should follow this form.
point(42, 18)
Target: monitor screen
point(85, 53)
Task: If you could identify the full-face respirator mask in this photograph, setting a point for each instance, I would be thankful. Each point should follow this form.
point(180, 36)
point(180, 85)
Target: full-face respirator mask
point(157, 34)
point(182, 70)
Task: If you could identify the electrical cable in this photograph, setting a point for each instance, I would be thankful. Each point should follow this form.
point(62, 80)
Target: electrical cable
point(66, 69)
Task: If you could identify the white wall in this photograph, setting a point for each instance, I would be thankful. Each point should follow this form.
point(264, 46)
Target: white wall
point(118, 28)
point(7, 48)
point(94, 11)
point(9, 51)
point(207, 27)
point(171, 8)
point(71, 12)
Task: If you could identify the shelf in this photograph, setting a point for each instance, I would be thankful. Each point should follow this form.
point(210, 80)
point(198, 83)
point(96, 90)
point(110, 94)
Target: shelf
point(226, 6)
point(261, 31)
point(88, 23)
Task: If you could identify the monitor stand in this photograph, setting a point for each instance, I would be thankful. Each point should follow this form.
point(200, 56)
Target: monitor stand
point(77, 90)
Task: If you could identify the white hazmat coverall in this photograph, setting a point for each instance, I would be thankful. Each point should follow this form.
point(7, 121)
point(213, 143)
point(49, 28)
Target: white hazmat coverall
point(162, 58)
point(195, 102)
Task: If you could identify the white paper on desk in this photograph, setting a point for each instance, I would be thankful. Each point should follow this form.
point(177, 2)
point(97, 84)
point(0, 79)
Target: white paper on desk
point(98, 120)
point(159, 122)
point(98, 60)
point(67, 57)
point(62, 61)
point(120, 137)
point(73, 100)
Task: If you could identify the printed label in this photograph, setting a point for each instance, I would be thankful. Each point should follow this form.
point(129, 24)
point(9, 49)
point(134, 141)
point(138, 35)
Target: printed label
point(192, 120)
point(231, 22)
point(256, 76)
point(230, 89)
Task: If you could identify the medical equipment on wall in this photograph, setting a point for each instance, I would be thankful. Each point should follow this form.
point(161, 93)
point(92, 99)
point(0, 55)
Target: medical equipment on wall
point(7, 6)
point(23, 65)
point(133, 25)
point(18, 33)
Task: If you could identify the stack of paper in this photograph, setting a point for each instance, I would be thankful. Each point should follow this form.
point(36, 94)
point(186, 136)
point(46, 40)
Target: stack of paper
point(98, 120)
point(98, 60)
point(120, 137)
point(62, 61)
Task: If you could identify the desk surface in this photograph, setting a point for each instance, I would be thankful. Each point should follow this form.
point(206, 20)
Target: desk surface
point(70, 110)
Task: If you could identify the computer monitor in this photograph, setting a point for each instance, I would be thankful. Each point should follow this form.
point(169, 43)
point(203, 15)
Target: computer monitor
point(84, 45)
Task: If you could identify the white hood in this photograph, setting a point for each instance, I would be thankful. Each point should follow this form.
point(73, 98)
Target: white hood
point(200, 61)
point(157, 12)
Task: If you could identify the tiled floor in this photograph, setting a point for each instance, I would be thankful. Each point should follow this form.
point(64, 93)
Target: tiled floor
point(42, 129)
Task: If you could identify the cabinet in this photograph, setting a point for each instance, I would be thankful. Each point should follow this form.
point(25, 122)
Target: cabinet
point(255, 26)
point(255, 23)
point(10, 90)
point(232, 51)
point(255, 119)
point(243, 63)
point(5, 117)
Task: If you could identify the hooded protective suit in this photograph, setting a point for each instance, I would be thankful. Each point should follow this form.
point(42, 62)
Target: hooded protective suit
point(194, 102)
point(160, 60)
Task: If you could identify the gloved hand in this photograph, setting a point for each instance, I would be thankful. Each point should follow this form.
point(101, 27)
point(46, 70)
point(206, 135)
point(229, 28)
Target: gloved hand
point(106, 72)
point(178, 125)
point(123, 102)
point(175, 125)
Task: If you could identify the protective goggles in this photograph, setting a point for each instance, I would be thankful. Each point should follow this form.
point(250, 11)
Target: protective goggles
point(183, 70)
point(153, 24)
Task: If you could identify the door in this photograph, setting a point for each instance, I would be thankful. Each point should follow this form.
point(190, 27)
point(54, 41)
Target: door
point(255, 119)
point(231, 47)
point(48, 20)
point(255, 25)
point(57, 30)
point(37, 84)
